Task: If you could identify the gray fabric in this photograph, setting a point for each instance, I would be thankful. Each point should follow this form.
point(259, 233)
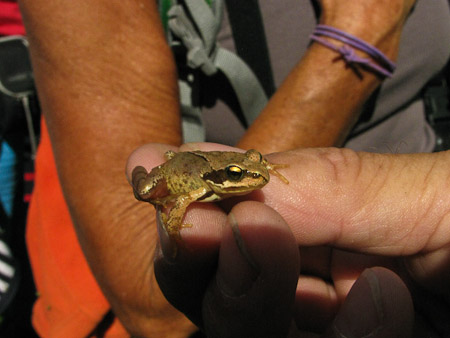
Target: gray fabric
point(424, 50)
point(206, 20)
point(203, 53)
point(198, 46)
point(250, 94)
point(192, 122)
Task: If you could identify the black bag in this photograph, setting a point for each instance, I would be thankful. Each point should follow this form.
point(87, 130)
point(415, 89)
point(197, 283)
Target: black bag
point(18, 99)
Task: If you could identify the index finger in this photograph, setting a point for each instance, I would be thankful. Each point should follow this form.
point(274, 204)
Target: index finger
point(374, 203)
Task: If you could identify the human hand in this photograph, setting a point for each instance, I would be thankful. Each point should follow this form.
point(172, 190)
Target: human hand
point(394, 206)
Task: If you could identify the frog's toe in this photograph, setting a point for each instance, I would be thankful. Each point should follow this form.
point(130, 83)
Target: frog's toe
point(273, 170)
point(175, 236)
point(163, 217)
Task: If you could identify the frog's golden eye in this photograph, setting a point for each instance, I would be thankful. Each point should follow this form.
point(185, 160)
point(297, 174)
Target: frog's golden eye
point(234, 173)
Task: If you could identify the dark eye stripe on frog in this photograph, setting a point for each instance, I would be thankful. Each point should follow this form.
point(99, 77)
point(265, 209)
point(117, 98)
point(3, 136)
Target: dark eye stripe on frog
point(217, 177)
point(220, 176)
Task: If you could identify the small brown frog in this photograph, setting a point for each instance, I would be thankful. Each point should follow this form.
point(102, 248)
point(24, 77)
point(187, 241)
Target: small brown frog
point(199, 176)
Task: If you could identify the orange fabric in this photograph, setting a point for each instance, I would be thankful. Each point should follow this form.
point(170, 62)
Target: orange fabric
point(70, 303)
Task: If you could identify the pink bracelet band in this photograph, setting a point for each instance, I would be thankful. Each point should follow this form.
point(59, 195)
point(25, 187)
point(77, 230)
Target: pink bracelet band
point(382, 65)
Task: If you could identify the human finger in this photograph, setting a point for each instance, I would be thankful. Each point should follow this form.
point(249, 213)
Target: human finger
point(391, 205)
point(252, 293)
point(378, 305)
point(372, 203)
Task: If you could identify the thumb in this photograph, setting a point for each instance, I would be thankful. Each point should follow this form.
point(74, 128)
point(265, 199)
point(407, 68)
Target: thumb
point(254, 287)
point(378, 305)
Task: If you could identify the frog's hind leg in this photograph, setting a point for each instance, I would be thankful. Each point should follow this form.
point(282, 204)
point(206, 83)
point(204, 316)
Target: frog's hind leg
point(148, 187)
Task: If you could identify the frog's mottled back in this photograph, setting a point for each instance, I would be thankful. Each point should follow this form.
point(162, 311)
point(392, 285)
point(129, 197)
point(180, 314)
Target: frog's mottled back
point(183, 173)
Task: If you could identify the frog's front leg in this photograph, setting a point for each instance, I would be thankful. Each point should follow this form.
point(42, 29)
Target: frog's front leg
point(169, 154)
point(176, 214)
point(272, 167)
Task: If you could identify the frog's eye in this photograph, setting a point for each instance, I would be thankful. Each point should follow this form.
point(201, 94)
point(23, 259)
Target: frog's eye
point(234, 173)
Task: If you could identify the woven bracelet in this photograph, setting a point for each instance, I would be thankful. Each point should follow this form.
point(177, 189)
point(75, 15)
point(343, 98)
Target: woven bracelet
point(383, 65)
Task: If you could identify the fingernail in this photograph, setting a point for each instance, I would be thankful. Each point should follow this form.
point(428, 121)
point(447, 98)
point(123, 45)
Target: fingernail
point(366, 315)
point(237, 269)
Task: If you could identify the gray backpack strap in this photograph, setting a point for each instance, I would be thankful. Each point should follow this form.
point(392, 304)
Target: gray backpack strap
point(191, 116)
point(203, 54)
point(198, 49)
point(249, 92)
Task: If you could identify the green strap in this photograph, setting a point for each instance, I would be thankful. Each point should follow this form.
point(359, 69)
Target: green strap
point(164, 6)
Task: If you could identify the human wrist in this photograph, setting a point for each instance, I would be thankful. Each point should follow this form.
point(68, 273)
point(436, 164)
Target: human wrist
point(374, 61)
point(379, 24)
point(387, 42)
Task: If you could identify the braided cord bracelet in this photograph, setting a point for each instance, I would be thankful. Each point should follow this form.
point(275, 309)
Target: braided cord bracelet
point(383, 65)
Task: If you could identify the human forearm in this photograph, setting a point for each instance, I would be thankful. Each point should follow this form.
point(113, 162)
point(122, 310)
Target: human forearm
point(106, 83)
point(321, 98)
point(103, 59)
point(316, 105)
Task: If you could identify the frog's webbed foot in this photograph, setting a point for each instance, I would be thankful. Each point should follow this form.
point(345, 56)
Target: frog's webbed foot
point(272, 167)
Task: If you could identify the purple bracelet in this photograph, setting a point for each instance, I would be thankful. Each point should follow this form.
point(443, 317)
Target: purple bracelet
point(384, 67)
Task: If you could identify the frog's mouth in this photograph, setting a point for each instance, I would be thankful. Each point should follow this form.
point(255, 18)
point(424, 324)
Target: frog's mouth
point(235, 190)
point(219, 194)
